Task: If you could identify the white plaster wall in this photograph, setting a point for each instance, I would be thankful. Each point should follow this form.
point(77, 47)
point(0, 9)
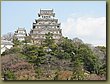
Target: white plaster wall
point(4, 48)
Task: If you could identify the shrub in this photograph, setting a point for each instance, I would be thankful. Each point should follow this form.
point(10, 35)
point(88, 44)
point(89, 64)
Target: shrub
point(16, 68)
point(13, 50)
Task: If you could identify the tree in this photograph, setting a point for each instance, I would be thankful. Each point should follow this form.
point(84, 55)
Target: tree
point(62, 55)
point(10, 75)
point(84, 59)
point(16, 42)
point(27, 40)
point(34, 54)
point(13, 50)
point(78, 71)
point(8, 36)
point(90, 61)
point(49, 39)
point(40, 56)
point(67, 45)
point(65, 49)
point(77, 40)
point(16, 68)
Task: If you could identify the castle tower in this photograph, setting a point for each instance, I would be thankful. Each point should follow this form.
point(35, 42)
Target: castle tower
point(45, 23)
point(20, 34)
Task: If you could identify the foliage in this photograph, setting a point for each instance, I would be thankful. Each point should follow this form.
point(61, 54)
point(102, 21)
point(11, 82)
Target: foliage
point(38, 72)
point(16, 42)
point(95, 77)
point(67, 45)
point(103, 70)
point(14, 67)
point(54, 47)
point(34, 54)
point(28, 39)
point(102, 48)
point(10, 75)
point(62, 75)
point(90, 61)
point(13, 50)
point(62, 55)
point(84, 59)
point(72, 58)
point(78, 71)
point(49, 39)
point(65, 49)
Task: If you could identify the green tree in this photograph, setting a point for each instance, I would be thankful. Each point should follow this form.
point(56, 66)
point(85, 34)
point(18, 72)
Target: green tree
point(49, 39)
point(13, 50)
point(84, 59)
point(78, 68)
point(67, 45)
point(16, 42)
point(78, 71)
point(49, 44)
point(62, 55)
point(10, 75)
point(89, 59)
point(65, 49)
point(34, 54)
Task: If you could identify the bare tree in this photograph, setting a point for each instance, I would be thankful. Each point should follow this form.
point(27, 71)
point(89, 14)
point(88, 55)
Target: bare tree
point(8, 36)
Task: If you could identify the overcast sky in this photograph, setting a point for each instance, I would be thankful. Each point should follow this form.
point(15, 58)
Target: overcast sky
point(83, 19)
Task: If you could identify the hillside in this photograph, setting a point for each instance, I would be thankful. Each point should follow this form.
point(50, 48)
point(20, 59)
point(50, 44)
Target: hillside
point(66, 60)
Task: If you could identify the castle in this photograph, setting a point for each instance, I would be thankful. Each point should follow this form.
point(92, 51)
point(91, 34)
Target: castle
point(20, 34)
point(45, 23)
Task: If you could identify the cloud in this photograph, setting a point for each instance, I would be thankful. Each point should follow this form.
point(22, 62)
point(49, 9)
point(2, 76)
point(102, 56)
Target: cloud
point(90, 29)
point(68, 27)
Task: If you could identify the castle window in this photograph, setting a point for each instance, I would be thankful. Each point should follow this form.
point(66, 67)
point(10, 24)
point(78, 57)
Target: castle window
point(57, 26)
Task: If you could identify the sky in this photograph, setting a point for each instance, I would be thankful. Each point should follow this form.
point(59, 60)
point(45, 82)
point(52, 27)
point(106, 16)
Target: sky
point(83, 19)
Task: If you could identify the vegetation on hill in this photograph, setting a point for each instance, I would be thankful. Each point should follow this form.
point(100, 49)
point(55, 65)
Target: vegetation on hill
point(66, 60)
